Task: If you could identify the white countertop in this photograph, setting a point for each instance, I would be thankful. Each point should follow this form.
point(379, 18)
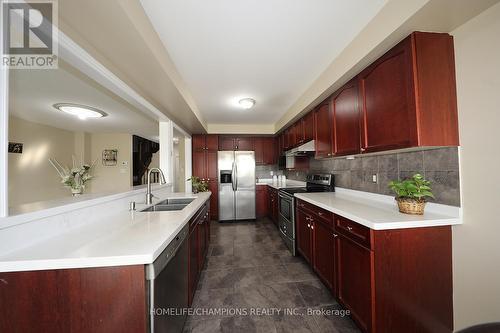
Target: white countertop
point(380, 212)
point(277, 185)
point(124, 238)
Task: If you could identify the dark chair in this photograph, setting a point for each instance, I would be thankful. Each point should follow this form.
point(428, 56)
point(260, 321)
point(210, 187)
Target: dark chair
point(483, 328)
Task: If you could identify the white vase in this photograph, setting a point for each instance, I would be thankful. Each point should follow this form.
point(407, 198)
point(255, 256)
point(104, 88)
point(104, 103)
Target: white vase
point(76, 191)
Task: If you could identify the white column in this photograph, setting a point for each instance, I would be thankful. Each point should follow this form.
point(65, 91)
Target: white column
point(166, 150)
point(4, 132)
point(188, 163)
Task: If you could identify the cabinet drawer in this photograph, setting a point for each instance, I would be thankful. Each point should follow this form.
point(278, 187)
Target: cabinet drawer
point(324, 215)
point(353, 230)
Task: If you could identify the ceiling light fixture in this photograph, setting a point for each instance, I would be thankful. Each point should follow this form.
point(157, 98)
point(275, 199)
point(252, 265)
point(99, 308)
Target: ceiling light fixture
point(81, 111)
point(246, 103)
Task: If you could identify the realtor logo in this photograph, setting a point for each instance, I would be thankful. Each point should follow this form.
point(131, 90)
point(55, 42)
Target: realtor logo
point(29, 34)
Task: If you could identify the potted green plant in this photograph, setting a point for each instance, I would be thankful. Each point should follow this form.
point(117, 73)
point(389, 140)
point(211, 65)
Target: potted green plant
point(198, 185)
point(411, 194)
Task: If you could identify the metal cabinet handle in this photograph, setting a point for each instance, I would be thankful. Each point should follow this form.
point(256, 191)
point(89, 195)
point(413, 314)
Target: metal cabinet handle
point(320, 213)
point(363, 149)
point(308, 225)
point(349, 228)
point(312, 226)
point(335, 235)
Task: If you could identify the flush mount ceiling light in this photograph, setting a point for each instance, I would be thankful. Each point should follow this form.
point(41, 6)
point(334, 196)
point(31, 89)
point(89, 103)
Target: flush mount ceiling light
point(246, 103)
point(81, 111)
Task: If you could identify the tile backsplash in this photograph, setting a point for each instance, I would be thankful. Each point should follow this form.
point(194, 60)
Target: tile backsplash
point(439, 166)
point(264, 171)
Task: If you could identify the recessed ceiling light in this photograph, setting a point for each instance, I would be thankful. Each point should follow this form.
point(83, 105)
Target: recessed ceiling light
point(246, 103)
point(81, 111)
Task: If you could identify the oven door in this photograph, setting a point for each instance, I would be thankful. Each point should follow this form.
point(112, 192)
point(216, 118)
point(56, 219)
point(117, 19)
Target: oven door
point(286, 207)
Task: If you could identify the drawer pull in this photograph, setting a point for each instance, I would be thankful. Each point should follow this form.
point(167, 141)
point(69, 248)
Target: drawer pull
point(335, 235)
point(349, 228)
point(320, 213)
point(308, 225)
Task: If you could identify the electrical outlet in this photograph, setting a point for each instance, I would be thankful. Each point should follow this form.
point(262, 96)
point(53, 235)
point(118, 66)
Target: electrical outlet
point(374, 178)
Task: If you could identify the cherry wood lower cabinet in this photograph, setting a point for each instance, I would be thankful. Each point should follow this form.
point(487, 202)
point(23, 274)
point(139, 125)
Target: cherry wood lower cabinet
point(199, 237)
point(391, 280)
point(106, 299)
point(261, 201)
point(273, 208)
point(102, 299)
point(304, 234)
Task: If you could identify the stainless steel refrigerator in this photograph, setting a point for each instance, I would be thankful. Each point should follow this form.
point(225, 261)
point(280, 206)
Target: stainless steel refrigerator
point(236, 170)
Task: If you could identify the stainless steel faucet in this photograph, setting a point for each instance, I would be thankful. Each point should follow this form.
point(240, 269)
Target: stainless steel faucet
point(149, 194)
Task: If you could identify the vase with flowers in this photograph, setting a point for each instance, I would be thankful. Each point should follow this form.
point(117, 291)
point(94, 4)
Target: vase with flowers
point(76, 177)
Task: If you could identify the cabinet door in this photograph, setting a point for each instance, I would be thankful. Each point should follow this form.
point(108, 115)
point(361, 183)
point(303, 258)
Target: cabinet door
point(214, 199)
point(193, 263)
point(199, 164)
point(212, 142)
point(346, 136)
point(259, 151)
point(202, 239)
point(323, 137)
point(269, 146)
point(244, 144)
point(296, 133)
point(354, 271)
point(387, 101)
point(226, 143)
point(308, 126)
point(303, 222)
point(299, 132)
point(198, 142)
point(211, 165)
point(324, 253)
point(261, 200)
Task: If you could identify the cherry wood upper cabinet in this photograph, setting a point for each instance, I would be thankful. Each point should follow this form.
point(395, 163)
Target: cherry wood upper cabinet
point(244, 143)
point(200, 164)
point(323, 135)
point(408, 96)
point(265, 150)
point(308, 124)
point(259, 150)
point(346, 136)
point(298, 130)
point(226, 143)
point(270, 146)
point(205, 142)
point(236, 143)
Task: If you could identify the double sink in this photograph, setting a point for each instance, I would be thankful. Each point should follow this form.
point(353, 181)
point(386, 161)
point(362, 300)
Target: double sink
point(169, 205)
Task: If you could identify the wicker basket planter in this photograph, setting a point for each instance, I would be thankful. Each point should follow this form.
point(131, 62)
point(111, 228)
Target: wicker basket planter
point(411, 206)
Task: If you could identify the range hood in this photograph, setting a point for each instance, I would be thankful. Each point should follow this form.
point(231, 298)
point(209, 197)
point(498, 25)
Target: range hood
point(302, 150)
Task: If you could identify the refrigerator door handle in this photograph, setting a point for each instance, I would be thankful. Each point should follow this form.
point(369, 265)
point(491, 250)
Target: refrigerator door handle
point(233, 174)
point(236, 175)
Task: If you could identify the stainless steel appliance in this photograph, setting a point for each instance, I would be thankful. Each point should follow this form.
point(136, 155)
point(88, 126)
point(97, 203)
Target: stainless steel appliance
point(236, 171)
point(314, 183)
point(167, 286)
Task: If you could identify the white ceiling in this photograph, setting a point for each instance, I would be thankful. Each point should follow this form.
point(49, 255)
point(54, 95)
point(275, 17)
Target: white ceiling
point(32, 94)
point(268, 50)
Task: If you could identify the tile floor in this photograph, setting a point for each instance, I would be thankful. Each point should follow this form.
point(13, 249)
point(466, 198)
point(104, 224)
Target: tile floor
point(248, 269)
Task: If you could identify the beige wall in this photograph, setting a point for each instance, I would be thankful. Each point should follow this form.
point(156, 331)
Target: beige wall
point(31, 177)
point(476, 243)
point(111, 178)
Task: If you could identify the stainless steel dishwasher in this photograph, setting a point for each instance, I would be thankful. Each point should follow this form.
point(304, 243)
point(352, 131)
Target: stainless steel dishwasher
point(167, 280)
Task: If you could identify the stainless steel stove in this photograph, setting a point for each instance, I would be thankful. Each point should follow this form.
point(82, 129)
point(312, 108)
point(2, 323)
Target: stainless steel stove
point(314, 183)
